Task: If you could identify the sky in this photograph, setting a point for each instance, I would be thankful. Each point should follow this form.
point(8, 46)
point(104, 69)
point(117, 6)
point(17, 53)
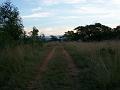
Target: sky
point(54, 17)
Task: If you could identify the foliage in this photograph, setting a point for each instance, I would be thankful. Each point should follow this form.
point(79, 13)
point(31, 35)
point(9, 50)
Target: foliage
point(96, 32)
point(10, 22)
point(34, 33)
point(70, 35)
point(98, 63)
point(34, 37)
point(54, 38)
point(117, 32)
point(18, 65)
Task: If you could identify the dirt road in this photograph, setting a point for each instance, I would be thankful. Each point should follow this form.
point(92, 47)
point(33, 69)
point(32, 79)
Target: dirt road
point(56, 55)
point(40, 69)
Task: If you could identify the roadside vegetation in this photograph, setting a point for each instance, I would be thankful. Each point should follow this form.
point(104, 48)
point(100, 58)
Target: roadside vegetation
point(93, 32)
point(19, 53)
point(98, 63)
point(18, 65)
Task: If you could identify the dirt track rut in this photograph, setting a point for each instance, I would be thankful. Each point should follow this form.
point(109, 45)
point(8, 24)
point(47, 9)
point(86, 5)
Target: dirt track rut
point(41, 69)
point(72, 70)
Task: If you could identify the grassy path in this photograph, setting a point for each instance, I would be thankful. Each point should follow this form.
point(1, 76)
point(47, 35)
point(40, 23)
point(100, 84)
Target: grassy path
point(72, 69)
point(57, 72)
point(41, 69)
point(56, 76)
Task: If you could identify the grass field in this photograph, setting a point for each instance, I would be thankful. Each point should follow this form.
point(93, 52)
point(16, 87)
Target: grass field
point(61, 66)
point(99, 64)
point(18, 65)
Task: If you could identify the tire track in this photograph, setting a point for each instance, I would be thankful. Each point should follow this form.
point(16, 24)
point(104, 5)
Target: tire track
point(33, 85)
point(72, 70)
point(72, 67)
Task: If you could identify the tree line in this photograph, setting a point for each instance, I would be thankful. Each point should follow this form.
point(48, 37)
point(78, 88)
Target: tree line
point(93, 32)
point(11, 28)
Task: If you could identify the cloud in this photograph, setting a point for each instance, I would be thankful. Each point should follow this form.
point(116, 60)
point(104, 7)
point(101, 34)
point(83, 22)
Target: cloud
point(51, 2)
point(37, 15)
point(37, 9)
point(73, 1)
point(48, 2)
point(96, 1)
point(60, 30)
point(116, 1)
point(88, 10)
point(69, 17)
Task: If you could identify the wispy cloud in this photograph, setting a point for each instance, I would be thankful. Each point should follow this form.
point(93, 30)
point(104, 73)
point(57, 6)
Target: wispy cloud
point(116, 1)
point(69, 17)
point(73, 1)
point(88, 10)
point(37, 9)
point(37, 15)
point(63, 1)
point(55, 30)
point(48, 2)
point(97, 1)
point(50, 30)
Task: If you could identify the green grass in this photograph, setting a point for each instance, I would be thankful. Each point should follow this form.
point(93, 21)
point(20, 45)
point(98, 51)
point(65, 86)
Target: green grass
point(17, 65)
point(56, 76)
point(99, 64)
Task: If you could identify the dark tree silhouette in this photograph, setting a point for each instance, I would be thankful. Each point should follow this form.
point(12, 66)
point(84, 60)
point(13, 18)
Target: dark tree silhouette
point(10, 21)
point(35, 33)
point(42, 37)
point(117, 32)
point(11, 27)
point(95, 32)
point(70, 35)
point(53, 38)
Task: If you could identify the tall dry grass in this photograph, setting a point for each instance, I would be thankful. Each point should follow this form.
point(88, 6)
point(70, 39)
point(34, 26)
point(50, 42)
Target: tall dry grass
point(100, 61)
point(17, 65)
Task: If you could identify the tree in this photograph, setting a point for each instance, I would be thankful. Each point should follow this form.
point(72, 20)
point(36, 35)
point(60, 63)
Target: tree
point(10, 20)
point(117, 32)
point(71, 36)
point(35, 33)
point(42, 37)
point(95, 32)
point(81, 33)
point(53, 38)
